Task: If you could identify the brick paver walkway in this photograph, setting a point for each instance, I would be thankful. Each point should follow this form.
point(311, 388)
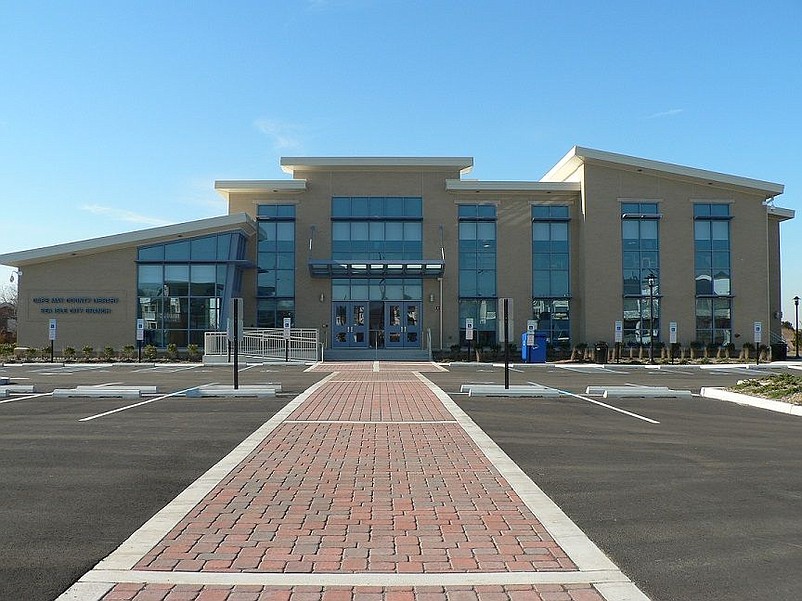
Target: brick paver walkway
point(369, 479)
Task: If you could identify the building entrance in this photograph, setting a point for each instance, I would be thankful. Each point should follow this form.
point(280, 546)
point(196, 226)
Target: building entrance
point(376, 324)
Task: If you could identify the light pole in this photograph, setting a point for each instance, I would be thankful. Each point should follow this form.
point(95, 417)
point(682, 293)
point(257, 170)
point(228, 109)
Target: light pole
point(796, 326)
point(650, 281)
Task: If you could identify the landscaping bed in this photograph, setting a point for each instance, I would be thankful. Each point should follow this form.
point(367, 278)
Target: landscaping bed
point(780, 387)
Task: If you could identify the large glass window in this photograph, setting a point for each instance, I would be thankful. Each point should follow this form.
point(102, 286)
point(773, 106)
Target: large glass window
point(640, 244)
point(712, 275)
point(477, 268)
point(383, 228)
point(275, 281)
point(182, 286)
point(550, 270)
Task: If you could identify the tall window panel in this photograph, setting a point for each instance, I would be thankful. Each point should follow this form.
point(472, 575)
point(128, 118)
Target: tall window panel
point(712, 264)
point(275, 285)
point(477, 270)
point(640, 243)
point(183, 287)
point(550, 272)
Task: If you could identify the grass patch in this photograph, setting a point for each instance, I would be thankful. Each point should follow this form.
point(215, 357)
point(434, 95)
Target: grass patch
point(779, 387)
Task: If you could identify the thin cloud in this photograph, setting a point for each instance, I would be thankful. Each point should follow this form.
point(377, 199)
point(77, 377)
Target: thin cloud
point(668, 113)
point(284, 135)
point(123, 215)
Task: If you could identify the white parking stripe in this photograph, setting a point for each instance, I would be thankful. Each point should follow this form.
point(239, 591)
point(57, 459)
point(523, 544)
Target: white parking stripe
point(624, 411)
point(153, 400)
point(24, 398)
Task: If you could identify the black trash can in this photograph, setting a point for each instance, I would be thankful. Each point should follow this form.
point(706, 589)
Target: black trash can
point(779, 352)
point(600, 353)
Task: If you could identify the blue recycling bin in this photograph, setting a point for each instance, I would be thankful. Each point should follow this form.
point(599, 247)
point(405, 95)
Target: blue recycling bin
point(535, 353)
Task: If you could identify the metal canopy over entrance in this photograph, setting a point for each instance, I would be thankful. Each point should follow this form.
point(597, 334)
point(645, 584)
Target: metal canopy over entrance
point(365, 268)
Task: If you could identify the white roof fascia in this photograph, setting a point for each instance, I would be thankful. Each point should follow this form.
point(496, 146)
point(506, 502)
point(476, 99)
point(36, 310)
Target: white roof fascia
point(578, 155)
point(292, 164)
point(113, 242)
point(780, 213)
point(458, 185)
point(226, 187)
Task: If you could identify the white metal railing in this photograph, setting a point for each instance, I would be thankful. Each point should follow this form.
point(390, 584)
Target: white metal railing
point(267, 344)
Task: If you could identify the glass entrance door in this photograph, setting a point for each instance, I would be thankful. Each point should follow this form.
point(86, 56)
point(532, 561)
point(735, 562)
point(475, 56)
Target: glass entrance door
point(376, 324)
point(402, 324)
point(350, 325)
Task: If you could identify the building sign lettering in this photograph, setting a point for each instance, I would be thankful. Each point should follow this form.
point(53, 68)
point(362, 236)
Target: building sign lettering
point(75, 305)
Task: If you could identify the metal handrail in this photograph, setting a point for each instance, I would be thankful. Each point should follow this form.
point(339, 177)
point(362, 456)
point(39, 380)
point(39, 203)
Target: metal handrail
point(268, 344)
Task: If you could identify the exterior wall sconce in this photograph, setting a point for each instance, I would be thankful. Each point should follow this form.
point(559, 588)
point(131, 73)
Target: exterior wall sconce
point(431, 297)
point(322, 297)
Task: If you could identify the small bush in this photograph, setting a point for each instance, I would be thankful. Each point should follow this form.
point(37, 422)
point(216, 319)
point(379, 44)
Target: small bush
point(109, 353)
point(128, 351)
point(172, 351)
point(193, 352)
point(88, 351)
point(69, 352)
point(149, 352)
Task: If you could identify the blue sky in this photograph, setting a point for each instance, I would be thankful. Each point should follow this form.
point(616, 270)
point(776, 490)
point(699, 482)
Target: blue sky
point(117, 116)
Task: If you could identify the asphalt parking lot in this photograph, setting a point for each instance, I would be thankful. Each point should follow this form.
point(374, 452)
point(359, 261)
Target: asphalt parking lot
point(702, 499)
point(706, 504)
point(74, 490)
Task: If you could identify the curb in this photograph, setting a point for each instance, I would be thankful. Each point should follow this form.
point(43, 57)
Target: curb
point(745, 399)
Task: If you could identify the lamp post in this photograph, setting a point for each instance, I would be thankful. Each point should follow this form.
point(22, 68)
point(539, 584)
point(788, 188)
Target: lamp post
point(650, 281)
point(796, 326)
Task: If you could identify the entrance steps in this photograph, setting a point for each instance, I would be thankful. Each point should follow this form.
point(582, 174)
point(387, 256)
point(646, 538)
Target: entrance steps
point(375, 355)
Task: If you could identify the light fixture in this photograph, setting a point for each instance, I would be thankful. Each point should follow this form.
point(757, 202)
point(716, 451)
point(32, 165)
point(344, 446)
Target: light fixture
point(431, 297)
point(322, 297)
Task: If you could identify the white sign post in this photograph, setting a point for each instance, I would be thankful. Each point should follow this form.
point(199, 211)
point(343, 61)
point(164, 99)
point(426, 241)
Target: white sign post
point(672, 338)
point(758, 340)
point(140, 336)
point(469, 334)
point(51, 336)
point(287, 327)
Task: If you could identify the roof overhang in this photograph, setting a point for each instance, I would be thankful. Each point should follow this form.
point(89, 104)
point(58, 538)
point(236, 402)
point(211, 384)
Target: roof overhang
point(293, 164)
point(263, 186)
point(578, 156)
point(128, 239)
point(779, 213)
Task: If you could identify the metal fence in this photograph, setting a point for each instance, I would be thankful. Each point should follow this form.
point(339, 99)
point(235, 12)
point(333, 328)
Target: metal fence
point(267, 344)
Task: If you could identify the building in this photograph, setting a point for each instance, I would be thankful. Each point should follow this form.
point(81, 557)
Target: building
point(396, 253)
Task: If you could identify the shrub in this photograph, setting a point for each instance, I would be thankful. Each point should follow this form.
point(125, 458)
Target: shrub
point(172, 350)
point(32, 353)
point(87, 351)
point(193, 352)
point(69, 352)
point(149, 352)
point(109, 352)
point(128, 351)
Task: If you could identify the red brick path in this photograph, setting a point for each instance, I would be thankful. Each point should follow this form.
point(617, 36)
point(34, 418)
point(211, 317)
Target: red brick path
point(371, 474)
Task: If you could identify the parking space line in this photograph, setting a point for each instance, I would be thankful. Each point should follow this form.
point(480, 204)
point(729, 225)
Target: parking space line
point(24, 398)
point(595, 402)
point(153, 400)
